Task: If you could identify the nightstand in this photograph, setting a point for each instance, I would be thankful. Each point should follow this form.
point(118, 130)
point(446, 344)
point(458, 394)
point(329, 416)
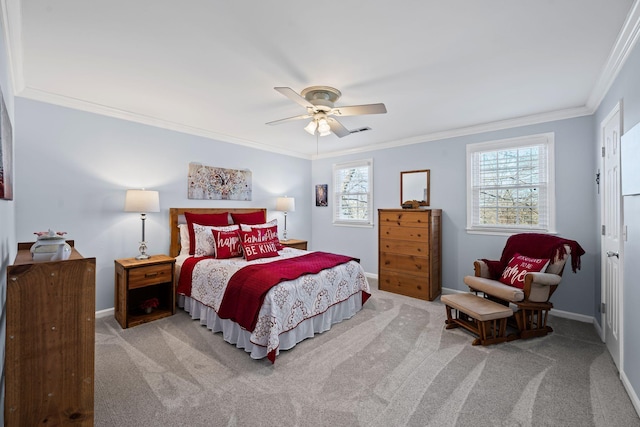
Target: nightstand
point(295, 243)
point(140, 280)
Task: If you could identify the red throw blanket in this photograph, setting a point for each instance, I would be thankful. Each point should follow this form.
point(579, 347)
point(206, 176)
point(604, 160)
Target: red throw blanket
point(186, 272)
point(535, 246)
point(248, 287)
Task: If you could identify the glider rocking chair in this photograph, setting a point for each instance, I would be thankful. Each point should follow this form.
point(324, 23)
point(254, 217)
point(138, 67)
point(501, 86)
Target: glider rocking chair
point(528, 295)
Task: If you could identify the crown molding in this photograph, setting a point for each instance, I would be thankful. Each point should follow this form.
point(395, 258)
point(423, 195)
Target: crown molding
point(568, 113)
point(104, 110)
point(78, 104)
point(626, 41)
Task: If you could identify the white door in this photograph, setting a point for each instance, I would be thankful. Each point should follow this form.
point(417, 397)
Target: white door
point(611, 236)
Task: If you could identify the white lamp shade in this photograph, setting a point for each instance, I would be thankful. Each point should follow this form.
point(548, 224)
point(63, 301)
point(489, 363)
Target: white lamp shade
point(142, 201)
point(286, 204)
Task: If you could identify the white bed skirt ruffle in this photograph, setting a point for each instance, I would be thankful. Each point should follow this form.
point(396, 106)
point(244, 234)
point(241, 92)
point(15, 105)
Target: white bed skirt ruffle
point(234, 334)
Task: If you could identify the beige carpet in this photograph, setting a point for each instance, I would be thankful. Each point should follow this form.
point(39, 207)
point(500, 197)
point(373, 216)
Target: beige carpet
point(393, 364)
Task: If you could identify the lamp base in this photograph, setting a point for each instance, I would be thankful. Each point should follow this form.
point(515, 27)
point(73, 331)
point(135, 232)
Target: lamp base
point(143, 251)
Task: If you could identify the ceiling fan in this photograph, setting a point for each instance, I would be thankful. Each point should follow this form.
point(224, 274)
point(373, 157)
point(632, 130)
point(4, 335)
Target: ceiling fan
point(319, 102)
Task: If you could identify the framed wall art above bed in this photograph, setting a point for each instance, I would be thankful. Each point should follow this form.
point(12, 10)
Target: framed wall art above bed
point(214, 183)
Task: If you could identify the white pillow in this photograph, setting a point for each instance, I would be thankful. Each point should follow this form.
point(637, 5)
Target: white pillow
point(205, 243)
point(247, 227)
point(184, 239)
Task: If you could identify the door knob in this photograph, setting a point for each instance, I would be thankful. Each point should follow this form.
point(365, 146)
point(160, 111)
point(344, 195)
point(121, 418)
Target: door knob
point(611, 253)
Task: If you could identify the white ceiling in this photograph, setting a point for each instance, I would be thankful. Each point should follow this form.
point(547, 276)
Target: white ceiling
point(442, 68)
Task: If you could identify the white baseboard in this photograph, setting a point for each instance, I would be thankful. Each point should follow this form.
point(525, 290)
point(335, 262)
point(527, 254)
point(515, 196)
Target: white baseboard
point(599, 329)
point(572, 316)
point(104, 313)
point(631, 392)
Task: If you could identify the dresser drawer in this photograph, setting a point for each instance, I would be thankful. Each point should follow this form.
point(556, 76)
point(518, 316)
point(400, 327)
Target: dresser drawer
point(150, 275)
point(418, 265)
point(404, 247)
point(404, 233)
point(405, 284)
point(405, 218)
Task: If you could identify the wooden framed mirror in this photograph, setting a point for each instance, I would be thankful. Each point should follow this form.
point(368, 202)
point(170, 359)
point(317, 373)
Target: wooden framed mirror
point(414, 185)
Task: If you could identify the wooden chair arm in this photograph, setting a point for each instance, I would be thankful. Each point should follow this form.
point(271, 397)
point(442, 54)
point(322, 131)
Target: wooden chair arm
point(481, 269)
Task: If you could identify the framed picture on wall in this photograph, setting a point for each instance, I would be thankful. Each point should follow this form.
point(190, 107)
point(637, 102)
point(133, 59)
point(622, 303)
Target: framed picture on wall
point(6, 153)
point(214, 183)
point(321, 195)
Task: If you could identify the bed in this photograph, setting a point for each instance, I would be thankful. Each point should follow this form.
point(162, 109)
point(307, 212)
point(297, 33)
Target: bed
point(314, 289)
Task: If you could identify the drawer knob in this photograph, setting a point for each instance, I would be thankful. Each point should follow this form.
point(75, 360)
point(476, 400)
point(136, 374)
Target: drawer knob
point(151, 274)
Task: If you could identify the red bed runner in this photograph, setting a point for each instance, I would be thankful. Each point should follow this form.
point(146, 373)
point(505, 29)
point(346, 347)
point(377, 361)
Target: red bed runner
point(248, 286)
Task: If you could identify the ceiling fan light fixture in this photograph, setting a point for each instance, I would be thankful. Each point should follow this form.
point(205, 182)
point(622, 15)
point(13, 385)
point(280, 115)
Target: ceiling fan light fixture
point(311, 127)
point(323, 127)
point(319, 103)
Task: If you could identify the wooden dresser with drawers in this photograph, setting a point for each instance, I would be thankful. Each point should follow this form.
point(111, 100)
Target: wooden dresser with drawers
point(409, 252)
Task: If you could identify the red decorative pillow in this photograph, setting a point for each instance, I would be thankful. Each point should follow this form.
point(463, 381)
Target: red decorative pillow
point(254, 248)
point(227, 242)
point(251, 218)
point(216, 219)
point(519, 266)
point(266, 232)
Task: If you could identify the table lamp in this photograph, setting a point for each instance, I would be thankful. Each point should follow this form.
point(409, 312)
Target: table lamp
point(285, 204)
point(142, 201)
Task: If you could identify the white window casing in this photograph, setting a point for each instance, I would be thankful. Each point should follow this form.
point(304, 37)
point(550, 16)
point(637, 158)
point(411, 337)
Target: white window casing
point(511, 185)
point(353, 193)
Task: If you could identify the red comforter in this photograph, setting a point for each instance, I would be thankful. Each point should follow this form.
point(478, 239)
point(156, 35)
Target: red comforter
point(248, 286)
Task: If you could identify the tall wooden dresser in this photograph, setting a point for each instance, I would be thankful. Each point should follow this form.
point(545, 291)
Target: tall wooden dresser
point(50, 339)
point(409, 252)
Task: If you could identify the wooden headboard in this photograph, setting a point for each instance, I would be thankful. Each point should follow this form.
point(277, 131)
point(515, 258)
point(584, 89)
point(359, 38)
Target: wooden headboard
point(176, 216)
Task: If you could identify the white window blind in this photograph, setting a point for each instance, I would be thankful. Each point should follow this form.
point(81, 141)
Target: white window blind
point(353, 193)
point(510, 185)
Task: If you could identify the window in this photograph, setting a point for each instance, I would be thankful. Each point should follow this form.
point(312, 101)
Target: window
point(353, 193)
point(510, 185)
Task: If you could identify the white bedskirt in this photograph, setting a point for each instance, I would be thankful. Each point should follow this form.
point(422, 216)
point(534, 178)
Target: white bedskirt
point(234, 334)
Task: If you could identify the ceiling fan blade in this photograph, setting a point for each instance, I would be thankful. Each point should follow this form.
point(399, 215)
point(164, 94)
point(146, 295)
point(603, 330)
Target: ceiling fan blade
point(294, 96)
point(356, 110)
point(337, 127)
point(290, 119)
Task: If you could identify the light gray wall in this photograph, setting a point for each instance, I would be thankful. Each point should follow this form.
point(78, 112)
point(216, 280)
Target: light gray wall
point(575, 205)
point(73, 167)
point(627, 88)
